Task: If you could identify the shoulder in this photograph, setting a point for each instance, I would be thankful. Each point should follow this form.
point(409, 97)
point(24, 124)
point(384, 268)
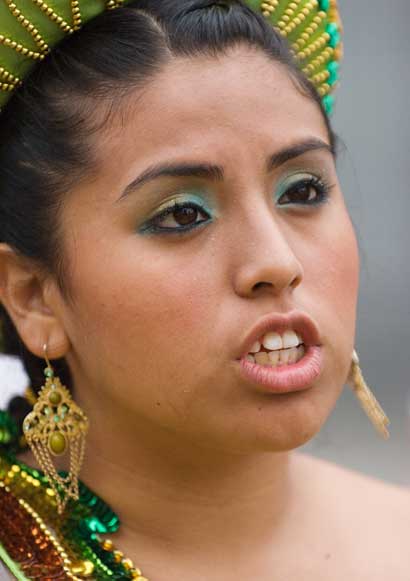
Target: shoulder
point(362, 491)
point(374, 515)
point(5, 573)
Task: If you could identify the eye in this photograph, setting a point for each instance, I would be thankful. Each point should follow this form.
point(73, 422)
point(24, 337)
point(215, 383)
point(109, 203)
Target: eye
point(180, 217)
point(308, 191)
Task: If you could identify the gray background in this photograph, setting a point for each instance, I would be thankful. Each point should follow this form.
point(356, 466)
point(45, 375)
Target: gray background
point(372, 118)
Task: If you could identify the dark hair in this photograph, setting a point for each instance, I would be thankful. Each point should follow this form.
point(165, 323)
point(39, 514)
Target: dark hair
point(48, 125)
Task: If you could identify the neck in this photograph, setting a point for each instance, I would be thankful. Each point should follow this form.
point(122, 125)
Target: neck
point(175, 499)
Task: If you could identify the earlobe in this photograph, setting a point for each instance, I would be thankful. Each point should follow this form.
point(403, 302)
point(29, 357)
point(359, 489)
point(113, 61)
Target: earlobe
point(23, 293)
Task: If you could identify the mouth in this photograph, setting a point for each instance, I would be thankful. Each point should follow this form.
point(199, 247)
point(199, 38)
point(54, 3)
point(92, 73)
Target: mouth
point(279, 332)
point(275, 349)
point(283, 353)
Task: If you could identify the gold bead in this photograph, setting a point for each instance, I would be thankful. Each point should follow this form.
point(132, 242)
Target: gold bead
point(108, 545)
point(118, 556)
point(127, 563)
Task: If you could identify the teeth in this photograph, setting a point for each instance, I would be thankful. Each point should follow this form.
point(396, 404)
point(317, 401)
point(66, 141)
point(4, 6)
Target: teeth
point(273, 357)
point(283, 349)
point(255, 347)
point(290, 339)
point(272, 341)
point(278, 358)
point(262, 358)
point(293, 355)
point(283, 357)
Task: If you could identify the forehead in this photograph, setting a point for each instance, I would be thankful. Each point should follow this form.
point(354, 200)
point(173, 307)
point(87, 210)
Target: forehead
point(193, 103)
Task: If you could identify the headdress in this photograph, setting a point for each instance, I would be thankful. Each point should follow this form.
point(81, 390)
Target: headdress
point(29, 29)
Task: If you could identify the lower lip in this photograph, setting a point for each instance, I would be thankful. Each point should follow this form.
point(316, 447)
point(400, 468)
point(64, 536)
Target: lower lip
point(286, 378)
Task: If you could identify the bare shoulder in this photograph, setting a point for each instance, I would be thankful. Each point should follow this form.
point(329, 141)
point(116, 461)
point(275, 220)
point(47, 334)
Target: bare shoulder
point(362, 491)
point(4, 573)
point(375, 513)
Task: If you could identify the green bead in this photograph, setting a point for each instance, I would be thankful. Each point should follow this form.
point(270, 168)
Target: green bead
point(56, 419)
point(324, 5)
point(328, 102)
point(48, 372)
point(333, 68)
point(54, 397)
point(57, 443)
point(5, 436)
point(333, 30)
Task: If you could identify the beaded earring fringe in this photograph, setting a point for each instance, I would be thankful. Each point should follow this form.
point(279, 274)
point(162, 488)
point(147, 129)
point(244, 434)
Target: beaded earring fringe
point(367, 399)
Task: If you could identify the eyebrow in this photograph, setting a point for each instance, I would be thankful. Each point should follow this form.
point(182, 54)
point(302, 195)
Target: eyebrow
point(215, 173)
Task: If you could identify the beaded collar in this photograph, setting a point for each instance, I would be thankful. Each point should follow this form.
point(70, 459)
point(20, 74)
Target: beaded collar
point(37, 543)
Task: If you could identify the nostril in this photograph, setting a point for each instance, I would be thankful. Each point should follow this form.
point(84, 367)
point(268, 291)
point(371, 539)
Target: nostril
point(258, 284)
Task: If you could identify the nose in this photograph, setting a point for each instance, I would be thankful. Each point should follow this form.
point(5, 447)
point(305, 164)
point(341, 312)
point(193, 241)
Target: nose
point(266, 258)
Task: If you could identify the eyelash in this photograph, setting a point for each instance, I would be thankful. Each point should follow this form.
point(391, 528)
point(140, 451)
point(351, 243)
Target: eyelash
point(321, 186)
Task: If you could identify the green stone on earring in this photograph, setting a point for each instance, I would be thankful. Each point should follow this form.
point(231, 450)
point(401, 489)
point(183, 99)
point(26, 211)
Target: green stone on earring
point(48, 372)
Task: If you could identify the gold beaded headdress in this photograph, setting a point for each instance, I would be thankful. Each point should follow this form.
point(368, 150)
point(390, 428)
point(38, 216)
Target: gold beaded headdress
point(29, 29)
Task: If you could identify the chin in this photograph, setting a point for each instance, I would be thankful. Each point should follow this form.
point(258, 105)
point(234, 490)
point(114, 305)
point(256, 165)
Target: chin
point(283, 425)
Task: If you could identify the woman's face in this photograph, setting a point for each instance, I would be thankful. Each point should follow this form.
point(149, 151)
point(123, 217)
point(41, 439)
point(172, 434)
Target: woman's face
point(162, 306)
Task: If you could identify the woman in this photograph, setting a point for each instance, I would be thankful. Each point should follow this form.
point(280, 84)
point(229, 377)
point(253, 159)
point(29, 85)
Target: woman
point(172, 227)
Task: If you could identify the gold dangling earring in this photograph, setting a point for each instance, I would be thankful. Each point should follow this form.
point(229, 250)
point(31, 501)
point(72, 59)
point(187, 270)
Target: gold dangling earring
point(56, 424)
point(366, 398)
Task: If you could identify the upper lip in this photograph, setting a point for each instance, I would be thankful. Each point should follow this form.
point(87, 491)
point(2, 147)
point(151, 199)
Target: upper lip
point(300, 322)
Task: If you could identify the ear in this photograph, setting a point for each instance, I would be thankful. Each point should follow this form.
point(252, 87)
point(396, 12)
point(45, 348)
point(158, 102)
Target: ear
point(28, 295)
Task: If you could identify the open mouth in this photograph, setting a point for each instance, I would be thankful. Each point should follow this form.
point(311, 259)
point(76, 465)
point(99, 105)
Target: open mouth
point(277, 349)
point(278, 357)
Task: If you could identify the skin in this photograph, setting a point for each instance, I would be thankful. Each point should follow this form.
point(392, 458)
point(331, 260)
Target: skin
point(184, 449)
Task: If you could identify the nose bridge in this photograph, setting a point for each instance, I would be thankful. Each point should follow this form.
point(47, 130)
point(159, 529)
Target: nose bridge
point(264, 252)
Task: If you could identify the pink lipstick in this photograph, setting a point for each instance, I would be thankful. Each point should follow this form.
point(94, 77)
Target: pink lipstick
point(286, 378)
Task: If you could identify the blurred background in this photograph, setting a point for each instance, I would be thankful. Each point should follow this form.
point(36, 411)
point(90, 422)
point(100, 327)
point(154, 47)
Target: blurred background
point(372, 119)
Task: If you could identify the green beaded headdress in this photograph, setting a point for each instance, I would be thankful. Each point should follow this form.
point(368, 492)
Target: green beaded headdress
point(29, 29)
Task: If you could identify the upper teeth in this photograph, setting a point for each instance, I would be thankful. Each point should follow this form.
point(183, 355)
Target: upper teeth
point(274, 341)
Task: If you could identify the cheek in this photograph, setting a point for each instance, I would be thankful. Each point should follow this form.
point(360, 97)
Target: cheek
point(332, 280)
point(144, 314)
point(336, 269)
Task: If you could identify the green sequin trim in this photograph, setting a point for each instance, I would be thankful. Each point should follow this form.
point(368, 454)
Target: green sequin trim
point(9, 432)
point(81, 524)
